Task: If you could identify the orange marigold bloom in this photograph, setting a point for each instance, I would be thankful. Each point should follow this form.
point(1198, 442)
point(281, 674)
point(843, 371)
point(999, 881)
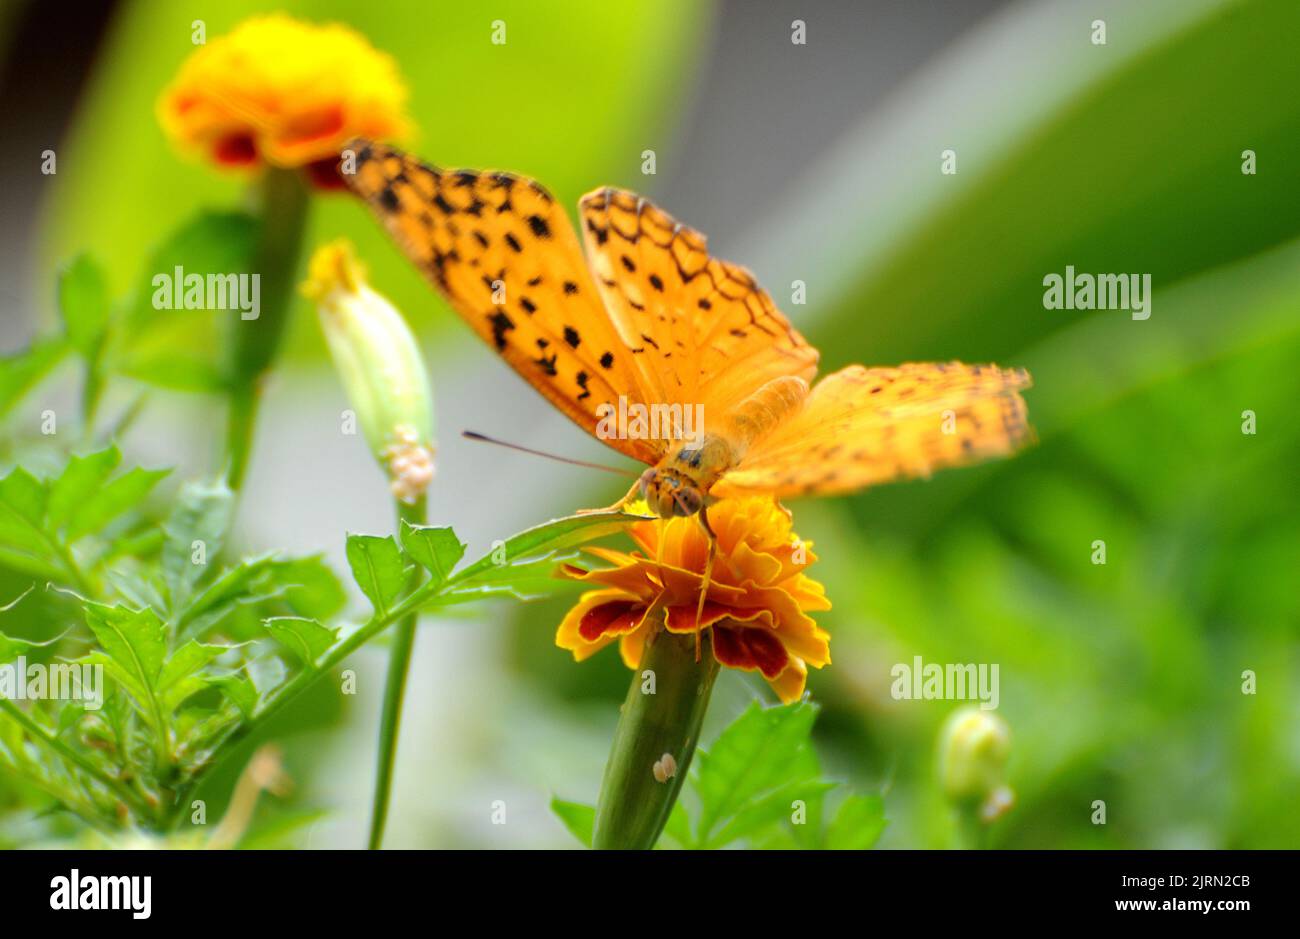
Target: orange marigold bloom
point(757, 605)
point(281, 92)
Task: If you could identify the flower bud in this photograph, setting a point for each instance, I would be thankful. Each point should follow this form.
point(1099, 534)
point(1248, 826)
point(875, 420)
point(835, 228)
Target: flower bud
point(379, 363)
point(973, 750)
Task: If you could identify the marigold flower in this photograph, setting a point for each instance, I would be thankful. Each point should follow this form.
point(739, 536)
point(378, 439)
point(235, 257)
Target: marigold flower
point(757, 604)
point(284, 93)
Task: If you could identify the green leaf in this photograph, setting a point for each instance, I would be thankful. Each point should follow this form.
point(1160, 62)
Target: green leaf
point(202, 513)
point(121, 494)
point(11, 648)
point(307, 639)
point(23, 499)
point(378, 569)
point(81, 478)
point(84, 305)
point(578, 818)
point(437, 550)
point(240, 691)
point(858, 823)
point(519, 555)
point(21, 372)
point(762, 753)
point(185, 662)
point(135, 645)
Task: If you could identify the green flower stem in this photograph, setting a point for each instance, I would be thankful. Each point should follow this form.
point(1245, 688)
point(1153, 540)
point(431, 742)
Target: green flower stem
point(634, 805)
point(284, 204)
point(399, 661)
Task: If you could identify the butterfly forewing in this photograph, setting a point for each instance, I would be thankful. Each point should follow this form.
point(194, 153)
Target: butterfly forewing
point(505, 257)
point(702, 330)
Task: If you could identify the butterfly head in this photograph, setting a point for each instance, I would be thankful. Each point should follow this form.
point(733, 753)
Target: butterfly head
point(670, 493)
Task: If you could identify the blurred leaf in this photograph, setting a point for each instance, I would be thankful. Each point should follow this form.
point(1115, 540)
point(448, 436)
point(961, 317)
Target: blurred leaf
point(20, 372)
point(202, 513)
point(578, 818)
point(378, 569)
point(23, 499)
point(84, 305)
point(437, 550)
point(858, 824)
point(182, 349)
point(80, 479)
point(307, 639)
point(123, 493)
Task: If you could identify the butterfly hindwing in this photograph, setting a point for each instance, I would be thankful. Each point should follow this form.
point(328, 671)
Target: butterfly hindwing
point(505, 257)
point(863, 426)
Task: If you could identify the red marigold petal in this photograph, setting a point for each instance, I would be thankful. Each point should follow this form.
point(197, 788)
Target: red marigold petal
point(681, 618)
point(615, 616)
point(766, 651)
point(730, 650)
point(235, 150)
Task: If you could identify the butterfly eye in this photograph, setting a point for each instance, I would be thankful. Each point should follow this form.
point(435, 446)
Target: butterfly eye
point(687, 501)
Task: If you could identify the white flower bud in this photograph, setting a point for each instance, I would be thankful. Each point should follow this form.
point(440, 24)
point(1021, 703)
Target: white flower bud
point(379, 363)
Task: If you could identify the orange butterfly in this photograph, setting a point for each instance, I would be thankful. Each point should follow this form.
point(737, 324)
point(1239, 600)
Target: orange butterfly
point(649, 322)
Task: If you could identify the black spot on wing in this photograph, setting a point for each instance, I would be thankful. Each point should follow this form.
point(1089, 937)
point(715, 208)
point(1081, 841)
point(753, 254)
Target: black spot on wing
point(501, 325)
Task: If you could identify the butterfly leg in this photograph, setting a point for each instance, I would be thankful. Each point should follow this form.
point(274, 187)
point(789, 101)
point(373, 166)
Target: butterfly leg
point(708, 576)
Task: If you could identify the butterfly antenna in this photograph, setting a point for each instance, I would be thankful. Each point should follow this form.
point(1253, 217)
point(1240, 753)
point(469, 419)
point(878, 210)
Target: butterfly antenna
point(475, 435)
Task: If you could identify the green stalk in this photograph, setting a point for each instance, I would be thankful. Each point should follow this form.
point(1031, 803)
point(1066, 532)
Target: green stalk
point(284, 204)
point(399, 661)
point(634, 805)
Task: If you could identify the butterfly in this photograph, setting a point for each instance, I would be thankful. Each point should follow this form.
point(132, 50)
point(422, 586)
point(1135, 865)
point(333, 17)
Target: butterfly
point(648, 319)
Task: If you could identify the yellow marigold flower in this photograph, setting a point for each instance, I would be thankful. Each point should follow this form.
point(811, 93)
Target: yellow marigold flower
point(281, 92)
point(757, 605)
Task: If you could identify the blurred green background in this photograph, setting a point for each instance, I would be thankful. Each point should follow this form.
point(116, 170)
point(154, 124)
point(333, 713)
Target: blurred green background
point(819, 163)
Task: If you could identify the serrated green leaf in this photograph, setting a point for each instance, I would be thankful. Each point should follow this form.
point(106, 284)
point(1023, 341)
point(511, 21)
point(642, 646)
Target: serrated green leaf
point(202, 513)
point(858, 823)
point(764, 811)
point(81, 478)
point(136, 640)
point(118, 496)
point(437, 550)
point(307, 639)
point(762, 751)
point(378, 569)
point(84, 305)
point(186, 661)
point(21, 372)
point(239, 690)
point(308, 586)
point(578, 818)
